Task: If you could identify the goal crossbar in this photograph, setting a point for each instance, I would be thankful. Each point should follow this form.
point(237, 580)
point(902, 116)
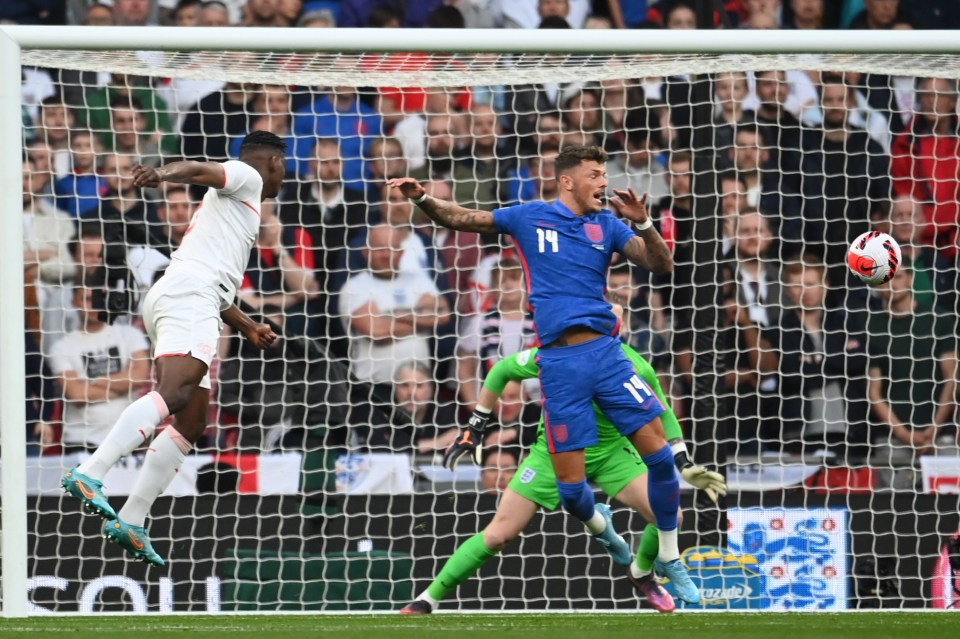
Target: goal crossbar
point(481, 40)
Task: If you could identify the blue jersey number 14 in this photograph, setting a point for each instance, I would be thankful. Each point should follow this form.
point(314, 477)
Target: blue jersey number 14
point(548, 236)
point(638, 389)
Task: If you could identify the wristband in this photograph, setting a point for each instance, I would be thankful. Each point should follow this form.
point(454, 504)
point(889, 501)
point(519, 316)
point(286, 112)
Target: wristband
point(646, 224)
point(420, 199)
point(478, 420)
point(681, 461)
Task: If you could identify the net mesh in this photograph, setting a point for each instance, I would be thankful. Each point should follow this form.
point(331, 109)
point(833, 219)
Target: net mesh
point(317, 484)
point(431, 69)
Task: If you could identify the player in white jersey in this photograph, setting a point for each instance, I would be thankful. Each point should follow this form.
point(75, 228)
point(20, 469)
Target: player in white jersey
point(184, 313)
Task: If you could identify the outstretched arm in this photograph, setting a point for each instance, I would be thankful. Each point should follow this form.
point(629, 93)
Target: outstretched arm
point(448, 214)
point(209, 174)
point(647, 249)
point(516, 367)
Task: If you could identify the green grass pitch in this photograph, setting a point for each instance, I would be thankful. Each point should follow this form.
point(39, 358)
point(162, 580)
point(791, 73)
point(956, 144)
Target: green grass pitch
point(880, 625)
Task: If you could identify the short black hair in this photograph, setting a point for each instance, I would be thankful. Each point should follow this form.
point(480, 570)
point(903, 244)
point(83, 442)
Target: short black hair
point(183, 4)
point(641, 125)
point(54, 100)
point(730, 174)
point(554, 22)
point(86, 229)
point(574, 154)
point(446, 17)
point(382, 16)
point(675, 6)
point(262, 141)
point(837, 80)
point(126, 102)
point(90, 228)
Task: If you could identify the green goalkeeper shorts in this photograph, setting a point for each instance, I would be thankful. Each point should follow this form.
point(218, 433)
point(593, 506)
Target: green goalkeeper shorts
point(612, 471)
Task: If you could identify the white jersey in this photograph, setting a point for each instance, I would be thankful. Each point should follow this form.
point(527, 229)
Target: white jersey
point(216, 248)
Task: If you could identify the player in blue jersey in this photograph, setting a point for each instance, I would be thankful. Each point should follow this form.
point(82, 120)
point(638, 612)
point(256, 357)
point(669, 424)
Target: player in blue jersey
point(565, 248)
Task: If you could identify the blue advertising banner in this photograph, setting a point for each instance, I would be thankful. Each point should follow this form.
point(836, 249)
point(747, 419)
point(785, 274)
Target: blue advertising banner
point(777, 559)
point(801, 554)
point(727, 581)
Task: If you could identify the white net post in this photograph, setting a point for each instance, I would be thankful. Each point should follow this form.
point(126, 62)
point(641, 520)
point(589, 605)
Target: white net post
point(13, 544)
point(261, 518)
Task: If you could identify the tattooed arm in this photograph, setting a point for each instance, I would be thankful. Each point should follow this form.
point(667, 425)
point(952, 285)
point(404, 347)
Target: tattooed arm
point(448, 214)
point(650, 251)
point(647, 249)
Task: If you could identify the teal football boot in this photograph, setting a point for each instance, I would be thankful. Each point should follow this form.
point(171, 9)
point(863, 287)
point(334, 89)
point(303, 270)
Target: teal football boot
point(133, 539)
point(89, 492)
point(676, 572)
point(611, 541)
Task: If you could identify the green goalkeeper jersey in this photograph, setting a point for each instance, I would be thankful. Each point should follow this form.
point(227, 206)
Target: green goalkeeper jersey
point(523, 365)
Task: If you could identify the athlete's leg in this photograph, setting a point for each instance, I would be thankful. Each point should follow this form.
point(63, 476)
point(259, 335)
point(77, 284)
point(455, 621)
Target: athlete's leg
point(633, 407)
point(165, 456)
point(178, 378)
point(617, 469)
point(635, 496)
point(576, 497)
point(160, 465)
point(635, 410)
point(664, 485)
point(514, 512)
point(663, 492)
point(570, 425)
point(649, 439)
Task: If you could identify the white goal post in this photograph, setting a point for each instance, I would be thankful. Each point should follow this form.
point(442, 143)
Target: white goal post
point(903, 52)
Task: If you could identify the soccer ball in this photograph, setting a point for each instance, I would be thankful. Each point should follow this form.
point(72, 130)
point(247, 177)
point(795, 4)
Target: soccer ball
point(874, 257)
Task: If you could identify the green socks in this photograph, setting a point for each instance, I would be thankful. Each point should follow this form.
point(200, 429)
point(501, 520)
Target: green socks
point(464, 563)
point(473, 554)
point(647, 552)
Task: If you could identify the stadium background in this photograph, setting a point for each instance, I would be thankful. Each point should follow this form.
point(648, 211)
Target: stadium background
point(490, 146)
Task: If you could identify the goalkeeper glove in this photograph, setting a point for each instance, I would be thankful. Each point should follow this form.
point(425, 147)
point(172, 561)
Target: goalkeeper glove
point(469, 440)
point(699, 477)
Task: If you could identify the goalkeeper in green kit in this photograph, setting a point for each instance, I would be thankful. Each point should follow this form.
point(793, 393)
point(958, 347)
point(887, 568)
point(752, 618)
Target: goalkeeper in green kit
point(613, 464)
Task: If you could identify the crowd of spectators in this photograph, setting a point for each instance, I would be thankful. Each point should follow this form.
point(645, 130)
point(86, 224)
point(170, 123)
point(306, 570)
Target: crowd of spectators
point(409, 316)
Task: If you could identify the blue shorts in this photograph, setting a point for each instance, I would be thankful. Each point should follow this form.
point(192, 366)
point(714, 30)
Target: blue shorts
point(572, 378)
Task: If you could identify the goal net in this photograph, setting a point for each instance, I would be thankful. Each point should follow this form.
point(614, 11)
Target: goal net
point(318, 483)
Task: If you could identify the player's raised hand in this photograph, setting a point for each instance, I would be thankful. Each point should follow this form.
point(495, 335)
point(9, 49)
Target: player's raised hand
point(261, 336)
point(706, 480)
point(469, 440)
point(408, 186)
point(630, 205)
point(145, 176)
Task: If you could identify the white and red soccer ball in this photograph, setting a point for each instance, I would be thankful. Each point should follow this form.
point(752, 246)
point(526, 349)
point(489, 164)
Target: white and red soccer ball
point(874, 257)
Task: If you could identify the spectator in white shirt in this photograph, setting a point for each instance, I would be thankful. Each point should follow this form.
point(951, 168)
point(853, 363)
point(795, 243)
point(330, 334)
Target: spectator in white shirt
point(101, 368)
point(527, 14)
point(389, 313)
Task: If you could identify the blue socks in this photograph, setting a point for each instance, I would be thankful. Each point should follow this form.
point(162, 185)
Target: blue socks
point(577, 499)
point(663, 487)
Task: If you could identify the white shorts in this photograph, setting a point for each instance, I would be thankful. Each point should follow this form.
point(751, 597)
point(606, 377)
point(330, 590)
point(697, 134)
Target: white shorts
point(182, 317)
